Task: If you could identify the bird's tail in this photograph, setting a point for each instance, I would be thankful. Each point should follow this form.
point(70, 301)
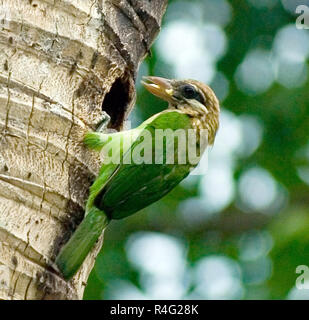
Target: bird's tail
point(74, 252)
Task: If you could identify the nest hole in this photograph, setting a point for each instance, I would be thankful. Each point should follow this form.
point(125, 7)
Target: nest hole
point(116, 102)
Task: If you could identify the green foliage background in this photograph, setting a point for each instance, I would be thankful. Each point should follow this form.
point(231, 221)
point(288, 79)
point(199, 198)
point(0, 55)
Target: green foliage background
point(250, 246)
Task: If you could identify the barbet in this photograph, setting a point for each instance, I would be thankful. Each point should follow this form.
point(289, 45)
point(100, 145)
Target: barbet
point(143, 169)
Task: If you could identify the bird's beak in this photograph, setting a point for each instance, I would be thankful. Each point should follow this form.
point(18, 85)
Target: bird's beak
point(160, 87)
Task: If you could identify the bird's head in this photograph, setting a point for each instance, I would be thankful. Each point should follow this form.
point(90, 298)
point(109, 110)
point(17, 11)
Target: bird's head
point(189, 96)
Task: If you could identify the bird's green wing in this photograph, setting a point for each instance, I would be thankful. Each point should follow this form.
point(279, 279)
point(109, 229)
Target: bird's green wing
point(151, 186)
point(135, 186)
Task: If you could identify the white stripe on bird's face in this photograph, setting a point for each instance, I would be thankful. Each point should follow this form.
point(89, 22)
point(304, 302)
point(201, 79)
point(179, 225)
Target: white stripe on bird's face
point(197, 106)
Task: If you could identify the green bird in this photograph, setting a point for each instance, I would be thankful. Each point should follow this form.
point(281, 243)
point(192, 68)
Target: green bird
point(142, 167)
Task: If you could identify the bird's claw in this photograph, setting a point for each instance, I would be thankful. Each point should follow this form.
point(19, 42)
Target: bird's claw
point(104, 123)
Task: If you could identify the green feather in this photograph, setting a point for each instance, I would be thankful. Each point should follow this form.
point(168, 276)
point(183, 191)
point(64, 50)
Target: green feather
point(95, 140)
point(76, 250)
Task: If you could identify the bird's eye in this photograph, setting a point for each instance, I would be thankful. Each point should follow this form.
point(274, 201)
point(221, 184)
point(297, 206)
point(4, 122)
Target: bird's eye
point(188, 91)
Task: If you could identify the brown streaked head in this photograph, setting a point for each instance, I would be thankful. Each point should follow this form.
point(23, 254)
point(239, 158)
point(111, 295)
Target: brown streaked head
point(190, 96)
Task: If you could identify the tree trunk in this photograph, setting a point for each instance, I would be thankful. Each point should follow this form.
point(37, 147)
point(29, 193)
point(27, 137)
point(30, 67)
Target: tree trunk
point(64, 64)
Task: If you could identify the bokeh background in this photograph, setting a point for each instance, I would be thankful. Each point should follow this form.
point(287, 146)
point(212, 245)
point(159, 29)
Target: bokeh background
point(240, 230)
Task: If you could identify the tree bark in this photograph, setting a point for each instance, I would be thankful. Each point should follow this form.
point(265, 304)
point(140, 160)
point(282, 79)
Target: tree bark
point(64, 64)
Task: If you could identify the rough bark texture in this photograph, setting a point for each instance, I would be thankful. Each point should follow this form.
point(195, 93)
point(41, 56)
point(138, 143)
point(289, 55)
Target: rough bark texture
point(63, 64)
